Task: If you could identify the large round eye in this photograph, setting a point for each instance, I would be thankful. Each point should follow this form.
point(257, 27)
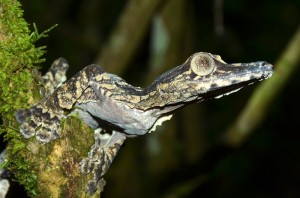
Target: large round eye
point(202, 64)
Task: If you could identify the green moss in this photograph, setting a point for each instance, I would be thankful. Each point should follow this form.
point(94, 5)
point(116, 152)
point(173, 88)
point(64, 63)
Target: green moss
point(19, 58)
point(24, 176)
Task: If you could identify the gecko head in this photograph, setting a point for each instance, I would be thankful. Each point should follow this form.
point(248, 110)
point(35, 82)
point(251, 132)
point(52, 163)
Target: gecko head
point(212, 77)
point(203, 76)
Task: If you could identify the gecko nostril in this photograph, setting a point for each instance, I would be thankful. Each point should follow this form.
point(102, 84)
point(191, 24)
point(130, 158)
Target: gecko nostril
point(264, 63)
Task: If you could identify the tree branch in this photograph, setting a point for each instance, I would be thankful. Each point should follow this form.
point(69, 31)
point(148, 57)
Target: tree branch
point(127, 35)
point(260, 102)
point(49, 170)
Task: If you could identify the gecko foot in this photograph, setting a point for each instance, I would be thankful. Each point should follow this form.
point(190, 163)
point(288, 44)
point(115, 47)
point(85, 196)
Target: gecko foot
point(100, 157)
point(45, 125)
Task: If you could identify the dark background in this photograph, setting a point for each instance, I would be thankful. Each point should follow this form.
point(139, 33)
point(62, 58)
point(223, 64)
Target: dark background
point(185, 158)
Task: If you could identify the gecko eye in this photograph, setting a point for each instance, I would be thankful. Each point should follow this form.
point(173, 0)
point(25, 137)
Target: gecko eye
point(202, 64)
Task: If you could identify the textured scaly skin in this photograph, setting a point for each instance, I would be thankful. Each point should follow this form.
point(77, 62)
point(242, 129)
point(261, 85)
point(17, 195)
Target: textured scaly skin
point(120, 110)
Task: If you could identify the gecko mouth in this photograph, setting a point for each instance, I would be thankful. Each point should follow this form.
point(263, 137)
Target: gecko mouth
point(218, 93)
point(247, 77)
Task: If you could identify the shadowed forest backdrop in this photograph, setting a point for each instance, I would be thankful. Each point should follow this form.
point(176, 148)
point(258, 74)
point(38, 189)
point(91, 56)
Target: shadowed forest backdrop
point(189, 155)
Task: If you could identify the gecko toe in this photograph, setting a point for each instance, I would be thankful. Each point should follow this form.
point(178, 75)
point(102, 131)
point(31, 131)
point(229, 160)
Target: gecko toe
point(47, 133)
point(91, 187)
point(22, 115)
point(26, 130)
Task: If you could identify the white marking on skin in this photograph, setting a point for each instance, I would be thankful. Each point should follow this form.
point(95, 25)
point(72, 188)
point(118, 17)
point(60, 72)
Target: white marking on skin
point(99, 77)
point(236, 64)
point(233, 91)
point(197, 77)
point(159, 121)
point(226, 94)
point(102, 136)
point(179, 76)
point(108, 93)
point(63, 79)
point(217, 97)
point(188, 72)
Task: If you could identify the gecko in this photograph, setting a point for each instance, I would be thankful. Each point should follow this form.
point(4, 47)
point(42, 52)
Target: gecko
point(117, 110)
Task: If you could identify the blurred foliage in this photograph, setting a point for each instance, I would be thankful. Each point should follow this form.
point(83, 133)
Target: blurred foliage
point(184, 158)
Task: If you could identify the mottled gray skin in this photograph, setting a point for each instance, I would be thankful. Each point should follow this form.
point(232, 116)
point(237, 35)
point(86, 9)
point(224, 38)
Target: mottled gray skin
point(120, 110)
point(181, 87)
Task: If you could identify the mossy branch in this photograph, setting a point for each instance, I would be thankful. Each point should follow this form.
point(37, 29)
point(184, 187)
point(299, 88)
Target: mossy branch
point(18, 60)
point(50, 170)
